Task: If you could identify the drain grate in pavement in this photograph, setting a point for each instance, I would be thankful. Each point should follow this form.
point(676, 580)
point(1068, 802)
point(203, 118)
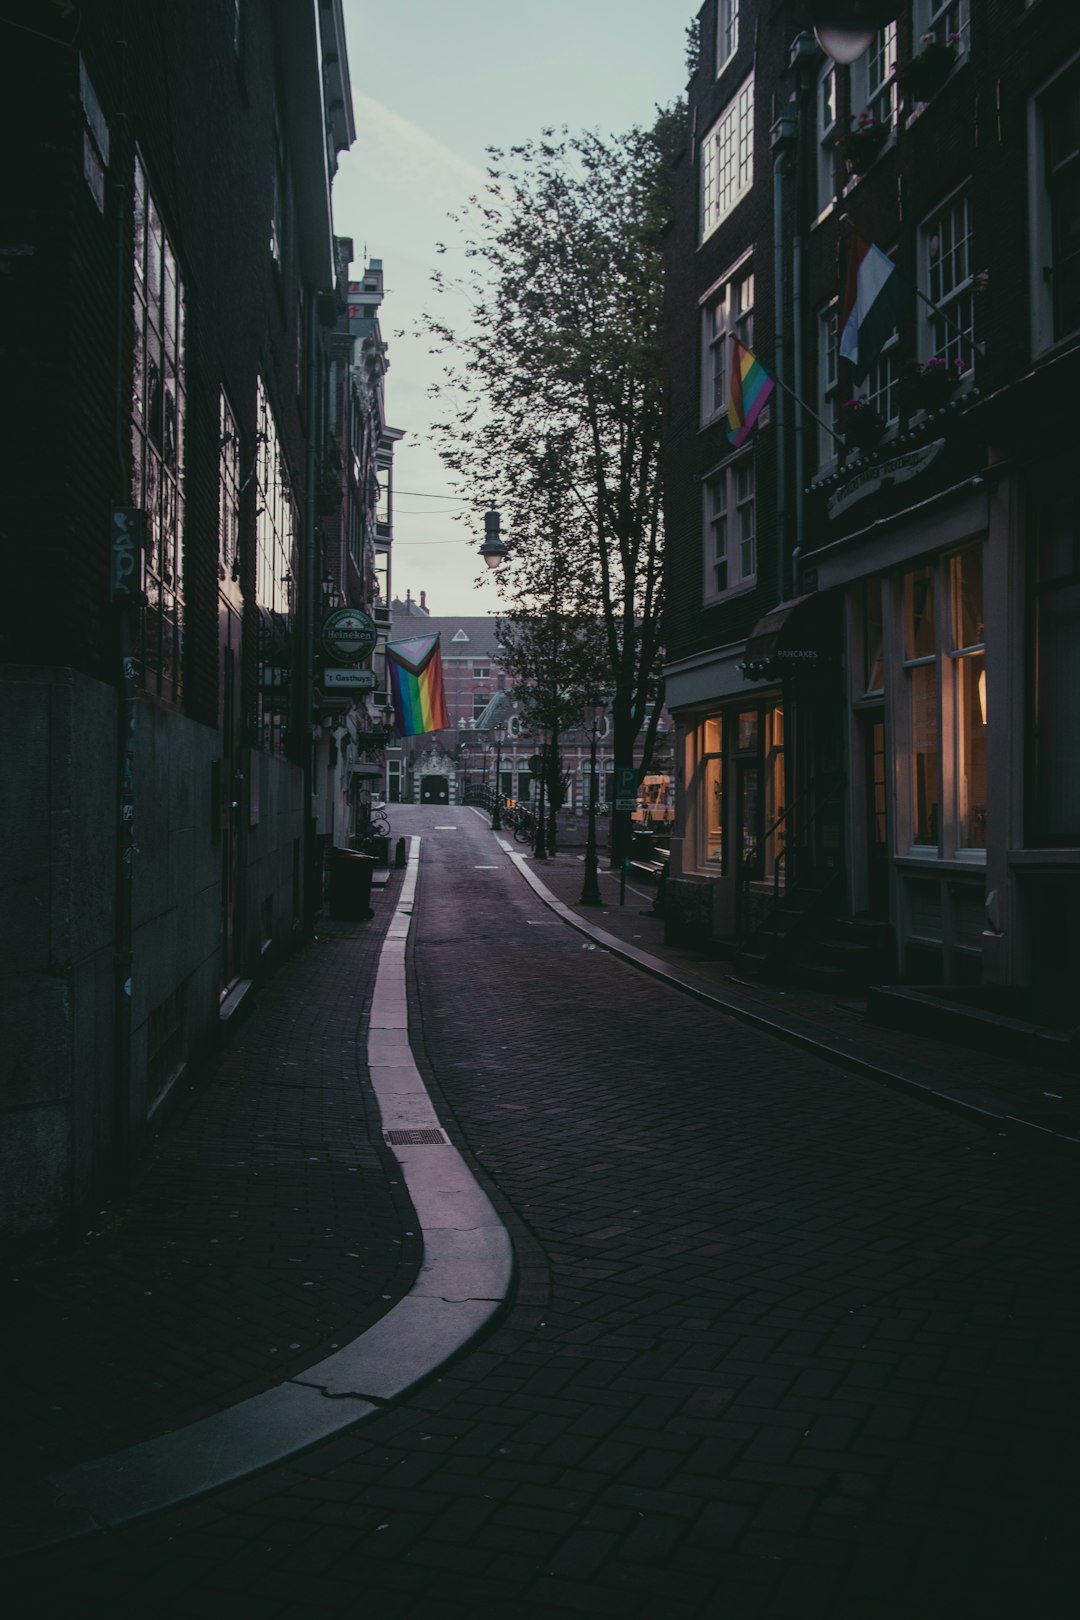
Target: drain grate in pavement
point(434, 1137)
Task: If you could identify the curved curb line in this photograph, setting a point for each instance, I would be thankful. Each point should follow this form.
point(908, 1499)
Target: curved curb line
point(792, 1030)
point(465, 1278)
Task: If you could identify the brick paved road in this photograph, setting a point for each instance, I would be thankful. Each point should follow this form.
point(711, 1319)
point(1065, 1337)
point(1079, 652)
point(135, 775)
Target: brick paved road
point(785, 1343)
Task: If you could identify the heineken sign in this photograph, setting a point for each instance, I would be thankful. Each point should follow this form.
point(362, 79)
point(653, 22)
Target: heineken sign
point(348, 636)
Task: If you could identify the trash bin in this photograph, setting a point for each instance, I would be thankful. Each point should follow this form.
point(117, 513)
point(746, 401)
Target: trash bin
point(350, 885)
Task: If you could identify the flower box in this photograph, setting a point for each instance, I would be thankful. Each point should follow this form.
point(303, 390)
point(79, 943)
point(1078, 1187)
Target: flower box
point(929, 384)
point(861, 425)
point(922, 77)
point(863, 143)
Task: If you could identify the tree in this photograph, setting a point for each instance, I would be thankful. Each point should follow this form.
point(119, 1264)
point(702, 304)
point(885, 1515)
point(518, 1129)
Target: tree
point(555, 393)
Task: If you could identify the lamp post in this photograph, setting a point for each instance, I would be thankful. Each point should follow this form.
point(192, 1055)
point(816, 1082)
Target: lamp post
point(590, 892)
point(540, 846)
point(496, 812)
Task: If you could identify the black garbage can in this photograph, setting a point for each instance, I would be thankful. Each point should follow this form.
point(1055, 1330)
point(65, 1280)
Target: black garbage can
point(350, 885)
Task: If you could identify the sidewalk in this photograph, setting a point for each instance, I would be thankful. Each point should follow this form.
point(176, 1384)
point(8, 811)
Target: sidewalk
point(266, 1227)
point(1005, 1094)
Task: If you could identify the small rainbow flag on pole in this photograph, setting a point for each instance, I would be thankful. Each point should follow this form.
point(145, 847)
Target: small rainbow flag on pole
point(414, 670)
point(749, 388)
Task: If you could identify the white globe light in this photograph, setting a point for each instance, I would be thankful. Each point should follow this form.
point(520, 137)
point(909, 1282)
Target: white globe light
point(844, 45)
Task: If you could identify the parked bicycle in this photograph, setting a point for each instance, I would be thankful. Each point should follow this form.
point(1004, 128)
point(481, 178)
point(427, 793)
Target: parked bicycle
point(524, 824)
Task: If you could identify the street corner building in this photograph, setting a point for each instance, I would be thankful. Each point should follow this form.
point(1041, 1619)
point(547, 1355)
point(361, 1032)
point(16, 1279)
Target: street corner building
point(176, 314)
point(873, 629)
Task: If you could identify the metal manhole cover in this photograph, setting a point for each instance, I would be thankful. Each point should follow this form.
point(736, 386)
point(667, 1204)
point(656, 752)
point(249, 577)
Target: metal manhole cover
point(418, 1138)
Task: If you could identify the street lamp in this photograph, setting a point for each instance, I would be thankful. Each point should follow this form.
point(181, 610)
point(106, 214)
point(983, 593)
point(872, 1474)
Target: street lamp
point(496, 813)
point(590, 893)
point(494, 549)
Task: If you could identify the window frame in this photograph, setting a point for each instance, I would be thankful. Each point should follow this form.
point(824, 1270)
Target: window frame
point(1044, 337)
point(158, 472)
point(963, 290)
point(727, 300)
point(735, 127)
point(826, 134)
point(727, 28)
point(866, 97)
point(735, 542)
point(931, 17)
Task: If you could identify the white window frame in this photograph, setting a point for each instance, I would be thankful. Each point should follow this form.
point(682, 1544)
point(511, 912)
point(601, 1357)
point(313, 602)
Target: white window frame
point(825, 126)
point(727, 32)
point(727, 159)
point(873, 78)
point(829, 381)
point(725, 311)
point(740, 551)
point(955, 293)
point(1040, 232)
point(940, 18)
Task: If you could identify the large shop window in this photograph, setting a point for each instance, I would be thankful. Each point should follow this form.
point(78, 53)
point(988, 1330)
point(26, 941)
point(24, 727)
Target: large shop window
point(1054, 803)
point(712, 809)
point(945, 704)
point(158, 419)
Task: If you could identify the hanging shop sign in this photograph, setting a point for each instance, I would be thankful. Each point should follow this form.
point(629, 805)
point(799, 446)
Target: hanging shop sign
point(348, 635)
point(882, 475)
point(350, 680)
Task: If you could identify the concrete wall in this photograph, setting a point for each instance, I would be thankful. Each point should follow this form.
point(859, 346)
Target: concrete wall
point(57, 909)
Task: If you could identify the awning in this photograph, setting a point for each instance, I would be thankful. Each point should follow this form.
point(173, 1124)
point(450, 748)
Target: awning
point(794, 636)
point(367, 769)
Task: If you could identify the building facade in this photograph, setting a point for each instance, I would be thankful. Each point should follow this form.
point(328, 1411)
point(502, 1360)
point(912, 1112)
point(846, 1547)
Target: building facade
point(170, 297)
point(908, 659)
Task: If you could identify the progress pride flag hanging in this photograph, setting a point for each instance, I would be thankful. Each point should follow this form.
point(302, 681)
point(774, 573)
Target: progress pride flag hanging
point(414, 669)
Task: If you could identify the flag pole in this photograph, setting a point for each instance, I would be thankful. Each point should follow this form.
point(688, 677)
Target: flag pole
point(838, 437)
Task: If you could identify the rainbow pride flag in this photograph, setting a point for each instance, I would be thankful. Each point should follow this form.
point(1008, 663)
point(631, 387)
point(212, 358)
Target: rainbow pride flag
point(749, 388)
point(414, 669)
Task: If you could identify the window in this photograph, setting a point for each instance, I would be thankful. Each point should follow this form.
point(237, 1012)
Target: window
point(727, 31)
point(480, 701)
point(727, 160)
point(943, 20)
point(879, 387)
point(968, 673)
point(1055, 193)
point(826, 136)
point(828, 383)
point(731, 314)
point(943, 655)
point(921, 665)
point(481, 672)
point(158, 420)
point(948, 282)
point(1054, 807)
point(873, 78)
point(275, 571)
point(277, 199)
point(228, 492)
point(731, 539)
point(711, 820)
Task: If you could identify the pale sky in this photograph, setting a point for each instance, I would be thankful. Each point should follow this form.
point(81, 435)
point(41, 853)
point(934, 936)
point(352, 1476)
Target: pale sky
point(435, 82)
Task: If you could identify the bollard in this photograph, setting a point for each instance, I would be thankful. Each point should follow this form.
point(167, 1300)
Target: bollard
point(399, 854)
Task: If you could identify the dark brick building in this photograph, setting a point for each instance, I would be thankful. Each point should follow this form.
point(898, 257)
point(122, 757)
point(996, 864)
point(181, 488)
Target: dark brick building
point(168, 277)
point(875, 722)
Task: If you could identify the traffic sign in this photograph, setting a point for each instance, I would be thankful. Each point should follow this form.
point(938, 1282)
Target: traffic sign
point(625, 787)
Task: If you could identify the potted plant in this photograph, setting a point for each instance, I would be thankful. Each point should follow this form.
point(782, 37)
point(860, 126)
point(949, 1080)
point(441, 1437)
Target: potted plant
point(863, 142)
point(924, 75)
point(929, 383)
point(860, 424)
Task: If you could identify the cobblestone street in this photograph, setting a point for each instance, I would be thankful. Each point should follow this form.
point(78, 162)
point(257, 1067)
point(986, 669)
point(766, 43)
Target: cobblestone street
point(784, 1342)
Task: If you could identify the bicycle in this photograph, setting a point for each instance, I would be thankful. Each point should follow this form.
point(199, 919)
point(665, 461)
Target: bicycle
point(524, 824)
